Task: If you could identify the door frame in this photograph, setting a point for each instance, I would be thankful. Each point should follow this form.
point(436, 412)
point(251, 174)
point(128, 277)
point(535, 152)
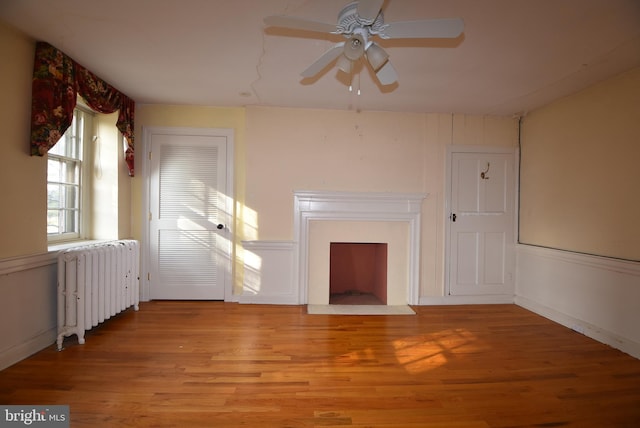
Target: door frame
point(145, 169)
point(451, 149)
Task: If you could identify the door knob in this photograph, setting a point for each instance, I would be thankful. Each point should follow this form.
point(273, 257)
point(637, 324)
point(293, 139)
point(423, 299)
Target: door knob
point(220, 226)
point(453, 217)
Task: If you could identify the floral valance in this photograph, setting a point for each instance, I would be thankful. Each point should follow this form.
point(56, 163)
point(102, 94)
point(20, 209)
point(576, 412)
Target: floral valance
point(57, 79)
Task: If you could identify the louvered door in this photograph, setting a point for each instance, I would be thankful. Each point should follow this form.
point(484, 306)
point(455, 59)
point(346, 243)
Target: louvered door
point(188, 221)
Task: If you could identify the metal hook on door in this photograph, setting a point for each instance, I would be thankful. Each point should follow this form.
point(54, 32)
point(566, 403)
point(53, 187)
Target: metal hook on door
point(484, 173)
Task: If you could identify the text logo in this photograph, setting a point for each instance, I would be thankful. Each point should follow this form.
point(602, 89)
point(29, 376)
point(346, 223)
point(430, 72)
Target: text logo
point(34, 416)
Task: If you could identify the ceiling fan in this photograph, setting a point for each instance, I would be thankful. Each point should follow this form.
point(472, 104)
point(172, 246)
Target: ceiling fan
point(359, 22)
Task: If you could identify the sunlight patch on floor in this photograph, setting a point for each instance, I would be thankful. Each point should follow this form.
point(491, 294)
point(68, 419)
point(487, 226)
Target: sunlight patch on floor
point(421, 353)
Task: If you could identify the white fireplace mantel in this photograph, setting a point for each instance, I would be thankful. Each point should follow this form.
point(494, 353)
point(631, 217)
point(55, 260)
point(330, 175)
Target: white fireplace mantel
point(359, 206)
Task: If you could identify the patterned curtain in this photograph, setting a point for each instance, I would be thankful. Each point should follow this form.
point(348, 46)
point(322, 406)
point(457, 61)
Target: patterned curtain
point(57, 80)
point(53, 97)
point(104, 98)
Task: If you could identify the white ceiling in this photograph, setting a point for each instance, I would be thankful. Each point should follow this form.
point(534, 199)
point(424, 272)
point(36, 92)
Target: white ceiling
point(514, 55)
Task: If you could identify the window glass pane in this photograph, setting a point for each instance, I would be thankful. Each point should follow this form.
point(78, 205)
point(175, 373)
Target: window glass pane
point(64, 146)
point(53, 170)
point(59, 148)
point(69, 197)
point(70, 172)
point(53, 196)
point(69, 144)
point(53, 221)
point(69, 220)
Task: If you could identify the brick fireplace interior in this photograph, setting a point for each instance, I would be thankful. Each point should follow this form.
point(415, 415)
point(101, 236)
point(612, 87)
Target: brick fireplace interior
point(358, 273)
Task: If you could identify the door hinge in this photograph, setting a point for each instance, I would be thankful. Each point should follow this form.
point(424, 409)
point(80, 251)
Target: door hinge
point(149, 215)
point(149, 155)
point(148, 276)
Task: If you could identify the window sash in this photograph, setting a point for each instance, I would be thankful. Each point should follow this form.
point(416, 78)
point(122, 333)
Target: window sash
point(65, 182)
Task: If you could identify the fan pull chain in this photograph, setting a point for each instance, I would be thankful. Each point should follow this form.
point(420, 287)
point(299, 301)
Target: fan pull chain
point(351, 85)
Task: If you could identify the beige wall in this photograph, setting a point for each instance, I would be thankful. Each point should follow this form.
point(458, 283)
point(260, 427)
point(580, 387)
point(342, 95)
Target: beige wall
point(23, 220)
point(580, 171)
point(111, 196)
point(297, 149)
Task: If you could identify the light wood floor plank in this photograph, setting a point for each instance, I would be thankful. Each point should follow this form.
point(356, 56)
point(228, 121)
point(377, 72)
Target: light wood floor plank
point(214, 364)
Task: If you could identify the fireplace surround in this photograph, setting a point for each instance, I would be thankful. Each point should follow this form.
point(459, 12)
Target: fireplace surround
point(370, 212)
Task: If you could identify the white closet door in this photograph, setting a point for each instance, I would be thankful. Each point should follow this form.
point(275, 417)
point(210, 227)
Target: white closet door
point(188, 217)
point(481, 224)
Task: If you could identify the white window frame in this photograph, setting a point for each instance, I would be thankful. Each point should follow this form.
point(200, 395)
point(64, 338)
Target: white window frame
point(83, 128)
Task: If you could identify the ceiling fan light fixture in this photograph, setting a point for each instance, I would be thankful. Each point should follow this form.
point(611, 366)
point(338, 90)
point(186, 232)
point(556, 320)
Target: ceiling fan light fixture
point(376, 56)
point(344, 64)
point(354, 47)
point(358, 22)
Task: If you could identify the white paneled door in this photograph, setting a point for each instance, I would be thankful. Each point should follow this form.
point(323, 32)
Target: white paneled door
point(481, 223)
point(189, 217)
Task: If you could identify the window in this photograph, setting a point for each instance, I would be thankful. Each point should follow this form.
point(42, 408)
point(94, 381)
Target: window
point(65, 180)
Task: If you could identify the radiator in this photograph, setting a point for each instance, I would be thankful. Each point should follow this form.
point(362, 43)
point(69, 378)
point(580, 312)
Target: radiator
point(96, 282)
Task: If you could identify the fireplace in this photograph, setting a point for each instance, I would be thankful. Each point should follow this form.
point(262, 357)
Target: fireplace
point(358, 273)
point(394, 235)
point(392, 219)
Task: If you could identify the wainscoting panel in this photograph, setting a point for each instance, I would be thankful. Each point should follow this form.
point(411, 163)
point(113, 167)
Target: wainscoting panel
point(28, 319)
point(596, 296)
point(268, 273)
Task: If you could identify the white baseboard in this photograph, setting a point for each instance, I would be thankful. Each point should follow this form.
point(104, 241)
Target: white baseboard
point(278, 299)
point(583, 327)
point(466, 300)
point(27, 348)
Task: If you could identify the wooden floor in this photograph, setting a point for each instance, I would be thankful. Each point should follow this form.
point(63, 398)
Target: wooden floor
point(213, 364)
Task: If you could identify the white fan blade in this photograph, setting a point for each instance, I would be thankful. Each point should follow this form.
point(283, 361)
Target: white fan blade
point(433, 28)
point(368, 10)
point(299, 24)
point(387, 74)
point(324, 60)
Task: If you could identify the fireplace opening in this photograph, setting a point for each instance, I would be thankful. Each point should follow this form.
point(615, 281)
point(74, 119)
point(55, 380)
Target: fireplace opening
point(357, 273)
